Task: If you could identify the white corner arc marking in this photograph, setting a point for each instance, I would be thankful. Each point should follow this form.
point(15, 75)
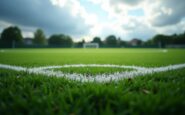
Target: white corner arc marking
point(137, 71)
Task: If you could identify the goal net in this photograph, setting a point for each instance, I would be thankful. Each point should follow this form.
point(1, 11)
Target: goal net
point(90, 45)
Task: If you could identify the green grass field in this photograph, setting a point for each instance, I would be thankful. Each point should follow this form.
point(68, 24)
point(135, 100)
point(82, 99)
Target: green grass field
point(158, 93)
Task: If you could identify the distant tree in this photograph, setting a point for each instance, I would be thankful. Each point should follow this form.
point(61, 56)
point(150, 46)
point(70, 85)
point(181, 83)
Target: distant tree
point(60, 40)
point(80, 43)
point(97, 40)
point(11, 35)
point(68, 41)
point(149, 42)
point(39, 37)
point(111, 41)
point(180, 39)
point(119, 41)
point(55, 40)
point(139, 42)
point(161, 40)
point(123, 43)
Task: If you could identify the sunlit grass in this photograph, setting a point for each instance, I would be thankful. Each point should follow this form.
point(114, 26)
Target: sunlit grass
point(159, 93)
point(139, 57)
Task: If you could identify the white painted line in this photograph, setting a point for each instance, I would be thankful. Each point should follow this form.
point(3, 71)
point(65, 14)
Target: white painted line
point(91, 65)
point(137, 71)
point(16, 68)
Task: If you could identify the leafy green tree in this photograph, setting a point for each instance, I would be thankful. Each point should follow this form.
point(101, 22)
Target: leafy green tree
point(161, 40)
point(111, 41)
point(68, 41)
point(122, 43)
point(97, 40)
point(54, 40)
point(60, 40)
point(180, 39)
point(39, 37)
point(11, 35)
point(80, 43)
point(149, 43)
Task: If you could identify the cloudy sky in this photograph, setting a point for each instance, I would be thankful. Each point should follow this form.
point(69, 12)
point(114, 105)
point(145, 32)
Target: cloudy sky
point(126, 19)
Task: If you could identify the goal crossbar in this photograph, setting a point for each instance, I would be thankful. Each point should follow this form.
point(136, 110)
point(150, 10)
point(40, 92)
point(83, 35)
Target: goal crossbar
point(90, 45)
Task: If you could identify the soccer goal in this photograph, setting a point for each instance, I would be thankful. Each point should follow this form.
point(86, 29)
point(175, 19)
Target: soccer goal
point(90, 45)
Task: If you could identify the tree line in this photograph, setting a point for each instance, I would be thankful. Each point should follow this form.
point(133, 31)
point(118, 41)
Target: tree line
point(163, 40)
point(12, 35)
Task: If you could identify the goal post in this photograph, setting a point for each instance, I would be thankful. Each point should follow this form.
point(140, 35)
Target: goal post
point(90, 45)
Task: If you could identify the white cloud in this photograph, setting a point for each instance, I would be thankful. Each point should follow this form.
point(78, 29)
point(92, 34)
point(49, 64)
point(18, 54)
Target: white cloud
point(77, 10)
point(119, 22)
point(132, 3)
point(165, 12)
point(60, 3)
point(72, 17)
point(43, 14)
point(26, 31)
point(160, 16)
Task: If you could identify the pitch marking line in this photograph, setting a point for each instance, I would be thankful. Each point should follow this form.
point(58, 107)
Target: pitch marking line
point(137, 71)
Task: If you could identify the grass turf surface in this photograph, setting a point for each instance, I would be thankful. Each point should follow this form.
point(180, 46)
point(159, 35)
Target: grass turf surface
point(159, 93)
point(92, 70)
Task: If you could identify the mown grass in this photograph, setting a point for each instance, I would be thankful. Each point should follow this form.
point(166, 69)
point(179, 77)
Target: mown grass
point(139, 57)
point(159, 93)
